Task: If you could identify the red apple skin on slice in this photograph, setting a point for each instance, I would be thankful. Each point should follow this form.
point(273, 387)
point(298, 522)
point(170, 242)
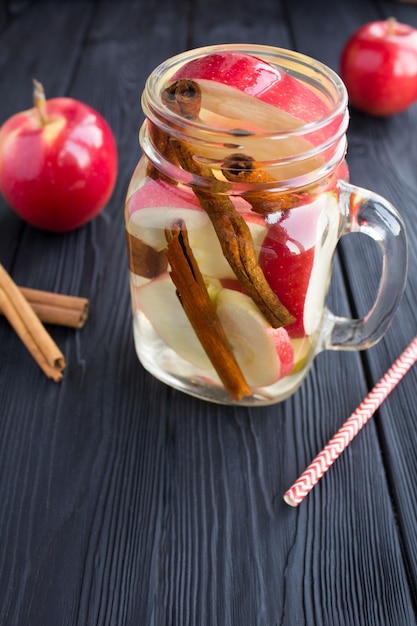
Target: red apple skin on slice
point(158, 193)
point(289, 277)
point(296, 258)
point(259, 79)
point(264, 354)
point(154, 206)
point(287, 258)
point(285, 348)
point(282, 343)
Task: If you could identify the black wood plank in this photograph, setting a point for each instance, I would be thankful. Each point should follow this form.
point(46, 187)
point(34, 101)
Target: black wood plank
point(319, 29)
point(383, 158)
point(220, 22)
point(125, 502)
point(395, 174)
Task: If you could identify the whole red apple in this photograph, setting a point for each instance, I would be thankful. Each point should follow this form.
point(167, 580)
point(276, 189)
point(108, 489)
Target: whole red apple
point(58, 163)
point(378, 65)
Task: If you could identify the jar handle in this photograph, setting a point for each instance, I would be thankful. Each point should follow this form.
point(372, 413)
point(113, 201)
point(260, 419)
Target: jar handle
point(374, 216)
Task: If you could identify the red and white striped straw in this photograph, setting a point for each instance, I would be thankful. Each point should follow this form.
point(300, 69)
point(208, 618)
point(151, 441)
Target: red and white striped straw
point(319, 466)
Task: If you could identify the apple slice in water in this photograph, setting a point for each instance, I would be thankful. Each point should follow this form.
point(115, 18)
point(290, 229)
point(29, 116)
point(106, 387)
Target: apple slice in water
point(264, 354)
point(227, 108)
point(230, 103)
point(296, 260)
point(159, 302)
point(303, 351)
point(327, 237)
point(149, 224)
point(156, 205)
point(287, 258)
point(259, 80)
point(271, 98)
point(157, 193)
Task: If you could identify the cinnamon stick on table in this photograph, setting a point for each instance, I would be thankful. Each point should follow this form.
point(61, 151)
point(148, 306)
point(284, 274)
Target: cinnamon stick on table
point(57, 308)
point(29, 328)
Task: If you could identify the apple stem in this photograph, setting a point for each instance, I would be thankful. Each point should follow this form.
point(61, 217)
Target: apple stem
point(39, 100)
point(391, 21)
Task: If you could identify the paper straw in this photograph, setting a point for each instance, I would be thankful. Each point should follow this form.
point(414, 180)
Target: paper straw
point(334, 448)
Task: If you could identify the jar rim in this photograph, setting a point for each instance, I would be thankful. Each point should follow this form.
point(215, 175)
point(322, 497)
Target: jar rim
point(318, 76)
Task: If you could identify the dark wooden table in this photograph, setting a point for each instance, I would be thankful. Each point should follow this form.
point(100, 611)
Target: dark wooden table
point(126, 503)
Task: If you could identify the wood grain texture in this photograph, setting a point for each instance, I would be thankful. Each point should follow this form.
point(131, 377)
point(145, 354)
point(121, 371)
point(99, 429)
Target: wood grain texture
point(393, 174)
point(125, 502)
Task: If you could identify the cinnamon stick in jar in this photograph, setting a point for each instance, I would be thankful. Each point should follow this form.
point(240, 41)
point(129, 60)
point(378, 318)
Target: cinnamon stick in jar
point(184, 98)
point(242, 168)
point(236, 241)
point(195, 300)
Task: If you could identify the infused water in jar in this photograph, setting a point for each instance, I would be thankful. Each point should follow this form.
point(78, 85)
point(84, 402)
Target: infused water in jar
point(233, 215)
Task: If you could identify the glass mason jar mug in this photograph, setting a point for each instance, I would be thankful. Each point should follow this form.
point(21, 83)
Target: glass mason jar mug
point(233, 215)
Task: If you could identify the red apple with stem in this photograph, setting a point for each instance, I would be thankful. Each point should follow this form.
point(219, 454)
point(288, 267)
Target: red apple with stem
point(378, 65)
point(58, 163)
